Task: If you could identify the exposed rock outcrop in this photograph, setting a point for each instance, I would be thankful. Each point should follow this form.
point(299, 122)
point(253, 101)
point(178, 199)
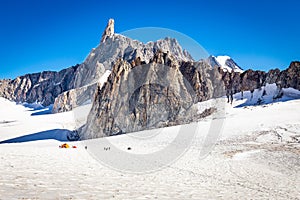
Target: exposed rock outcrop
point(74, 98)
point(109, 30)
point(41, 87)
point(205, 80)
point(290, 77)
point(251, 80)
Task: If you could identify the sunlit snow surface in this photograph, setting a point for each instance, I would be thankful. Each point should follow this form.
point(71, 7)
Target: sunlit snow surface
point(256, 156)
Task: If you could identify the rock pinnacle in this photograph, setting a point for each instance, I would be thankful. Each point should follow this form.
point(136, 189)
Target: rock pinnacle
point(109, 30)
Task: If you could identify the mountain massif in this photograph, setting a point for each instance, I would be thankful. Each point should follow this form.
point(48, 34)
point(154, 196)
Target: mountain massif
point(135, 86)
point(166, 92)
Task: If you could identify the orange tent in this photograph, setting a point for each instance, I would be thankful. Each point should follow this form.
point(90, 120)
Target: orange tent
point(65, 145)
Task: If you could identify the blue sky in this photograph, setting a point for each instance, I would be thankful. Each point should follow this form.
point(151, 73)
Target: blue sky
point(40, 35)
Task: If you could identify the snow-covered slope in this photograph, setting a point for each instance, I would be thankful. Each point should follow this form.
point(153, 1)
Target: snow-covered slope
point(37, 122)
point(256, 156)
point(226, 63)
point(267, 95)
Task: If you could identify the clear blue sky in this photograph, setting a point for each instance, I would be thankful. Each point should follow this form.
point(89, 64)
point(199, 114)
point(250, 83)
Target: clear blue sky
point(38, 35)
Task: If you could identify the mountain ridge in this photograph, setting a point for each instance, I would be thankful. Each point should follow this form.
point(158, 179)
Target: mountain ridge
point(83, 83)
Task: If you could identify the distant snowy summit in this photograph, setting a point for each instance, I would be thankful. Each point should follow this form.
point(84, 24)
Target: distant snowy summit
point(225, 62)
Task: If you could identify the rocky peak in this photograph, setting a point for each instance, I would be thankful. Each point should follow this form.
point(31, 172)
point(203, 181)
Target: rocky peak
point(291, 76)
point(294, 67)
point(226, 63)
point(114, 46)
point(109, 30)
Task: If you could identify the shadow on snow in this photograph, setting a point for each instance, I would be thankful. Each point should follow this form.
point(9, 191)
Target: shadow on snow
point(38, 108)
point(44, 111)
point(256, 103)
point(61, 135)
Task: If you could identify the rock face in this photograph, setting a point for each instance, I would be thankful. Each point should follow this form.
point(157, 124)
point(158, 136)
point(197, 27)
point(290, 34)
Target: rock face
point(78, 96)
point(41, 87)
point(151, 95)
point(74, 98)
point(250, 80)
point(290, 77)
point(205, 80)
